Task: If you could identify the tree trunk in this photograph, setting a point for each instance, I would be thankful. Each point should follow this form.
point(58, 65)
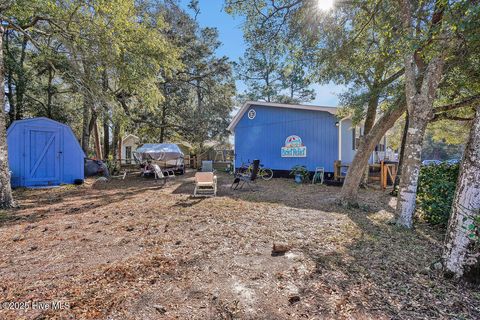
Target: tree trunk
point(400, 158)
point(411, 163)
point(369, 121)
point(22, 82)
point(115, 141)
point(11, 101)
point(461, 252)
point(120, 149)
point(106, 136)
point(106, 128)
point(50, 92)
point(85, 123)
point(163, 123)
point(349, 192)
point(6, 196)
point(420, 110)
point(96, 135)
point(10, 95)
point(89, 124)
point(371, 114)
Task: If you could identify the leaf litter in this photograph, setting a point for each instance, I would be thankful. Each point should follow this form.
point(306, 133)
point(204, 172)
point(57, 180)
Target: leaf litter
point(135, 249)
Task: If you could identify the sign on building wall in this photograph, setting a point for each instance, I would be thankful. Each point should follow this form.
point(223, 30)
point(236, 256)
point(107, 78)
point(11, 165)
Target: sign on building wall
point(251, 114)
point(294, 148)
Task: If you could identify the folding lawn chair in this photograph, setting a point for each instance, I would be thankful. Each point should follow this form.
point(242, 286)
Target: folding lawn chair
point(205, 184)
point(318, 175)
point(158, 172)
point(248, 178)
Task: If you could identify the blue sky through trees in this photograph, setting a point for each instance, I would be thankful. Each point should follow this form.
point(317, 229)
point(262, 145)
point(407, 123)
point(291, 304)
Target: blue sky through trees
point(233, 45)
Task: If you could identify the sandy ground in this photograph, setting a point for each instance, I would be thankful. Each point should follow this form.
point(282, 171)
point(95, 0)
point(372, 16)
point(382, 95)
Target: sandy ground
point(136, 249)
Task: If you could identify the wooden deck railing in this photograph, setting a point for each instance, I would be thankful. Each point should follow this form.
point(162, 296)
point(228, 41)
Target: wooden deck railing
point(378, 172)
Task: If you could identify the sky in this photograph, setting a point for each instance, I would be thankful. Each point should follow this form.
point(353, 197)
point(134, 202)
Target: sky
point(233, 45)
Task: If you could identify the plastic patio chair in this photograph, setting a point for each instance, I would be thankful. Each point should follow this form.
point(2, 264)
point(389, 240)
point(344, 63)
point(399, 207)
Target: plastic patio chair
point(205, 184)
point(207, 166)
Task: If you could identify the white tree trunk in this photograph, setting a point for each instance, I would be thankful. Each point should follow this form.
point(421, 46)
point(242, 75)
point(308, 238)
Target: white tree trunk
point(461, 256)
point(407, 193)
point(420, 110)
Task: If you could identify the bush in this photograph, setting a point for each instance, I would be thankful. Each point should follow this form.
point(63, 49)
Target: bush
point(436, 188)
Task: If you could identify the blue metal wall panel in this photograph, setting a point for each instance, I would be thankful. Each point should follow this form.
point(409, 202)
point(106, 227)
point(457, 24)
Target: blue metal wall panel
point(43, 152)
point(264, 136)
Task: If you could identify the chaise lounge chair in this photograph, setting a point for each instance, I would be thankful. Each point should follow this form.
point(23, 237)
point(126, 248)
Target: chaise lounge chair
point(205, 184)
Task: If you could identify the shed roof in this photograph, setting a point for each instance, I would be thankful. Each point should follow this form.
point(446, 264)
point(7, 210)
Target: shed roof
point(39, 119)
point(246, 105)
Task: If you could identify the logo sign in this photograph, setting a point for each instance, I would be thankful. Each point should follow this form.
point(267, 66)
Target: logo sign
point(251, 114)
point(294, 148)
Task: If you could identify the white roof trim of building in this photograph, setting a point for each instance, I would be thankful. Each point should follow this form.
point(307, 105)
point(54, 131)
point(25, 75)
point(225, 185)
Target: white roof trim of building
point(246, 105)
point(128, 136)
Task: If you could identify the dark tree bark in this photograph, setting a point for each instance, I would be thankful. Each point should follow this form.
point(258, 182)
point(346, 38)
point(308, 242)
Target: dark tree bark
point(400, 157)
point(367, 144)
point(21, 82)
point(85, 123)
point(115, 141)
point(106, 136)
point(6, 196)
point(371, 113)
point(106, 117)
point(461, 252)
point(10, 94)
point(163, 122)
point(50, 92)
point(96, 136)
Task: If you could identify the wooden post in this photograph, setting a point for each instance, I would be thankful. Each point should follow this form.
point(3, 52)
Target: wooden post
point(337, 169)
point(382, 175)
point(385, 180)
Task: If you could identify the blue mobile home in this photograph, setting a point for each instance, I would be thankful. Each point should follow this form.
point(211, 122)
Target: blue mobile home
point(43, 152)
point(284, 135)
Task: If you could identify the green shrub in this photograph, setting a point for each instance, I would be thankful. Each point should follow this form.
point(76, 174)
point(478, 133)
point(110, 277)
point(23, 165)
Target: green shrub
point(436, 188)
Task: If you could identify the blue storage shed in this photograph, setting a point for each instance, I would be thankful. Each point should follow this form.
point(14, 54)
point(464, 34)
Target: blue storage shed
point(43, 152)
point(284, 135)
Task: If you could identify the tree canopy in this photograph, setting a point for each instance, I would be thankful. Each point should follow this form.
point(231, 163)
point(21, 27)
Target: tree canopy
point(121, 63)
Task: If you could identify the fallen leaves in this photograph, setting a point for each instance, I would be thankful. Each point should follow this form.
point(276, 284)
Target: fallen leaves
point(134, 250)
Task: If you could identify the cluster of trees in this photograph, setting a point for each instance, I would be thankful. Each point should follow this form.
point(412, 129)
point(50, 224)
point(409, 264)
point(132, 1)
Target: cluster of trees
point(106, 67)
point(273, 70)
point(273, 73)
point(420, 59)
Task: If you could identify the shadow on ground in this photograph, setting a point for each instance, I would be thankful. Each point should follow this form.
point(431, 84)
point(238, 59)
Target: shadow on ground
point(138, 249)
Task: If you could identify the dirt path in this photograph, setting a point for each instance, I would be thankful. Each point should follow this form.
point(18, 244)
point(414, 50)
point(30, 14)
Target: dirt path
point(135, 249)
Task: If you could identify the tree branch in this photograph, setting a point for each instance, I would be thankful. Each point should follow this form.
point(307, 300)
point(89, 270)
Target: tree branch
point(392, 78)
point(465, 103)
point(446, 116)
